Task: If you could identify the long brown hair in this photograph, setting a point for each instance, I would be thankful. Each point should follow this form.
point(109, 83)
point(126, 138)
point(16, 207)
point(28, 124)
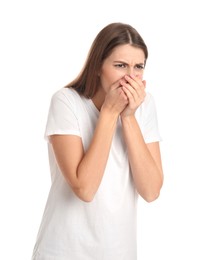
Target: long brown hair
point(108, 38)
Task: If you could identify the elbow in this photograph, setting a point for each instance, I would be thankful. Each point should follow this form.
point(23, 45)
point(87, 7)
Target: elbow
point(152, 194)
point(86, 199)
point(151, 197)
point(84, 195)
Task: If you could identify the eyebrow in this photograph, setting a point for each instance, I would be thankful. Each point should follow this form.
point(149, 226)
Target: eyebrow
point(124, 62)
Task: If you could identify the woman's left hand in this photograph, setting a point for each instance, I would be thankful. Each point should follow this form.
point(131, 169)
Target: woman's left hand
point(134, 88)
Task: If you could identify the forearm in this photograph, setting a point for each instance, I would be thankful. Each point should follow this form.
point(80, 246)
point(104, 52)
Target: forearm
point(91, 168)
point(146, 171)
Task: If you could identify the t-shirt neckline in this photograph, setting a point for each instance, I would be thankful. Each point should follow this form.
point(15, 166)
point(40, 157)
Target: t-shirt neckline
point(91, 103)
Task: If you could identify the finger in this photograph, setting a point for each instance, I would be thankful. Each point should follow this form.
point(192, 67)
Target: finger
point(137, 84)
point(130, 90)
point(130, 97)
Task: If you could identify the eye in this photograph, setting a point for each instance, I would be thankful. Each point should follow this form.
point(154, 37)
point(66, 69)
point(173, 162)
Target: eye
point(140, 66)
point(120, 65)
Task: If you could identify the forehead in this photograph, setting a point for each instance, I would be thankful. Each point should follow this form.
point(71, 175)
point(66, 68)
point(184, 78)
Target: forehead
point(127, 53)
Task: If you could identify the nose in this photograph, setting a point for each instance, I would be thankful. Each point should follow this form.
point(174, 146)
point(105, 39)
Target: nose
point(131, 71)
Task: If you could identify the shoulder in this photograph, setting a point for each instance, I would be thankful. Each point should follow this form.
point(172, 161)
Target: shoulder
point(65, 93)
point(64, 99)
point(66, 96)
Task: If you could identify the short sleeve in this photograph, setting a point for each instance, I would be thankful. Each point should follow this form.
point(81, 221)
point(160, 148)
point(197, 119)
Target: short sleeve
point(150, 129)
point(62, 117)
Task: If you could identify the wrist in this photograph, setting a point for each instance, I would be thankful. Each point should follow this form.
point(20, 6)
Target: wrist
point(109, 113)
point(128, 117)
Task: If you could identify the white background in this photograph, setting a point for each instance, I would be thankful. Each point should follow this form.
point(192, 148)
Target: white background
point(43, 45)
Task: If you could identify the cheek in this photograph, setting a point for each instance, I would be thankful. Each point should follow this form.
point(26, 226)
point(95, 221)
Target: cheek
point(105, 83)
point(109, 78)
point(139, 75)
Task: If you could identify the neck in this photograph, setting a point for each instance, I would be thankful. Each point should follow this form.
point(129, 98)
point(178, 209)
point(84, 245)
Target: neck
point(98, 99)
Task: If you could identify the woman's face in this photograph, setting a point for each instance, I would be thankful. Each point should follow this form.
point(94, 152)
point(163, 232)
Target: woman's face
point(125, 59)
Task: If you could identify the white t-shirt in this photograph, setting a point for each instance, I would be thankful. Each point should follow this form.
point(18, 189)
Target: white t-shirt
point(104, 229)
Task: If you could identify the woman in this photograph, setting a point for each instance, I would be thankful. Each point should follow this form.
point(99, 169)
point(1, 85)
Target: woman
point(104, 150)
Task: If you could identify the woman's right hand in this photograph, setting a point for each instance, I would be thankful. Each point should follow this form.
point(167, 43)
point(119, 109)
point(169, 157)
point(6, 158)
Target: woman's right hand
point(115, 100)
